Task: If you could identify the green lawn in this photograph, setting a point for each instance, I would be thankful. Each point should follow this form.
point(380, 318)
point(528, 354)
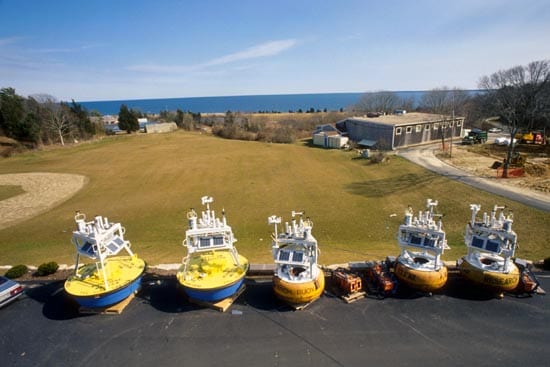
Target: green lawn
point(148, 182)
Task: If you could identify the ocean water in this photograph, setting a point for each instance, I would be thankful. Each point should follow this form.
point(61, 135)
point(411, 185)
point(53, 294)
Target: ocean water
point(252, 103)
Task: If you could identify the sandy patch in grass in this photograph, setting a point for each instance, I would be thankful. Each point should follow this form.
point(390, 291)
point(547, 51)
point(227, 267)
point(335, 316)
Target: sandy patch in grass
point(537, 169)
point(43, 191)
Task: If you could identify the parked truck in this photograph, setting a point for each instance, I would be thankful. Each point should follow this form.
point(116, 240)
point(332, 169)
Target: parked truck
point(475, 136)
point(531, 137)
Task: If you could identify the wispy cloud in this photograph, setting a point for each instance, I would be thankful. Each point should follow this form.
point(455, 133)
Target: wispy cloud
point(271, 48)
point(66, 49)
point(9, 40)
point(266, 49)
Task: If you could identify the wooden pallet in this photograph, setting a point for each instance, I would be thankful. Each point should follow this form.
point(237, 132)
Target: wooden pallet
point(302, 306)
point(222, 305)
point(346, 297)
point(115, 309)
point(352, 297)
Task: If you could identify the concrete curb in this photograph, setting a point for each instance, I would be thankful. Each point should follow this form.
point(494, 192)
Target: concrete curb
point(254, 269)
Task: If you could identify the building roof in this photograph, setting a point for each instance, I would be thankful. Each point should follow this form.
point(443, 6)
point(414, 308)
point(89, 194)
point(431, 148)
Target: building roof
point(404, 119)
point(326, 128)
point(328, 133)
point(367, 142)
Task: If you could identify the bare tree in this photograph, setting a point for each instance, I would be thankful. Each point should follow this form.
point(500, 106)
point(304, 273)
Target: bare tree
point(447, 103)
point(444, 100)
point(56, 115)
point(382, 101)
point(519, 95)
point(435, 100)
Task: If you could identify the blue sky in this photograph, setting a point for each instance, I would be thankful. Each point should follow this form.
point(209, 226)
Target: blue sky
point(122, 49)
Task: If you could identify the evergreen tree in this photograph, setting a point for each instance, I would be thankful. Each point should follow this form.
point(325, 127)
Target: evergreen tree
point(82, 120)
point(12, 113)
point(229, 118)
point(127, 120)
point(179, 118)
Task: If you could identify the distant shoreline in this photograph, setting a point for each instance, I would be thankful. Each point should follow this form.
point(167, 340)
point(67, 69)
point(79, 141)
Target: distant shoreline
point(244, 103)
point(237, 96)
point(247, 103)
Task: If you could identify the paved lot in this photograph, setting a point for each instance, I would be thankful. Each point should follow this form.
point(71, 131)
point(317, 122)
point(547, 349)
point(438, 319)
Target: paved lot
point(456, 328)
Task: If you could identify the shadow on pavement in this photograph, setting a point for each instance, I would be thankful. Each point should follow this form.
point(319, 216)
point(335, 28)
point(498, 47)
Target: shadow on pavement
point(164, 294)
point(457, 287)
point(57, 304)
point(259, 294)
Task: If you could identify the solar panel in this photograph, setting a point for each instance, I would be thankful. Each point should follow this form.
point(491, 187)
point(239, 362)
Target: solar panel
point(429, 242)
point(477, 242)
point(298, 257)
point(416, 240)
point(492, 246)
point(115, 244)
point(88, 248)
point(204, 242)
point(284, 255)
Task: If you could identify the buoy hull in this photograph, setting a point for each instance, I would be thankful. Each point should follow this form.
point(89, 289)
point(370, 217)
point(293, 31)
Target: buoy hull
point(88, 289)
point(296, 294)
point(421, 280)
point(212, 276)
point(492, 280)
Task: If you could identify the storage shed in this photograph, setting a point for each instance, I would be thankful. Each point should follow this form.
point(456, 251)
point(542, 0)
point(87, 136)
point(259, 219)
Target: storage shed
point(402, 130)
point(329, 137)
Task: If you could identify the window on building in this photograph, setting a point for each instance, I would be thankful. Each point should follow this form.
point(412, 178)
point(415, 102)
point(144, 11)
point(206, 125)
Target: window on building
point(436, 125)
point(444, 125)
point(427, 127)
point(452, 123)
point(418, 128)
point(409, 129)
point(398, 131)
point(459, 123)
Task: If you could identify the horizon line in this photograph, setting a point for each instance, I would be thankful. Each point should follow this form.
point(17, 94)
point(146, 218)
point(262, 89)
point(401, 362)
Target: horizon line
point(257, 95)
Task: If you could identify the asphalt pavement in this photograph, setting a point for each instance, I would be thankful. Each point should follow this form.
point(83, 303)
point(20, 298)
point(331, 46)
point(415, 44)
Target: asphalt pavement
point(460, 326)
point(425, 157)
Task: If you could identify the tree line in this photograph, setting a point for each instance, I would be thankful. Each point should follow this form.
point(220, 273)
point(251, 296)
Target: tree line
point(41, 119)
point(275, 128)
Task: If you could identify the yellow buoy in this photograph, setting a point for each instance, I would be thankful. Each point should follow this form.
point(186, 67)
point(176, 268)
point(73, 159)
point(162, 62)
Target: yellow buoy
point(425, 281)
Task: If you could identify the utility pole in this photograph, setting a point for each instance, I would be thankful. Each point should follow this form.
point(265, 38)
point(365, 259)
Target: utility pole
point(452, 131)
point(452, 124)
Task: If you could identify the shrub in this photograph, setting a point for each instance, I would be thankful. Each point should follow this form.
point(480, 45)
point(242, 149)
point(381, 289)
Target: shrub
point(546, 264)
point(378, 157)
point(283, 135)
point(47, 269)
point(16, 271)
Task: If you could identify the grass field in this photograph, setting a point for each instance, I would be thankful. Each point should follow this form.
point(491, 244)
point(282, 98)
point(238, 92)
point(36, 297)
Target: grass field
point(148, 182)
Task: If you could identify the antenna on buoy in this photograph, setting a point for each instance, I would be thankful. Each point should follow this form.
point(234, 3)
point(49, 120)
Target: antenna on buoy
point(274, 220)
